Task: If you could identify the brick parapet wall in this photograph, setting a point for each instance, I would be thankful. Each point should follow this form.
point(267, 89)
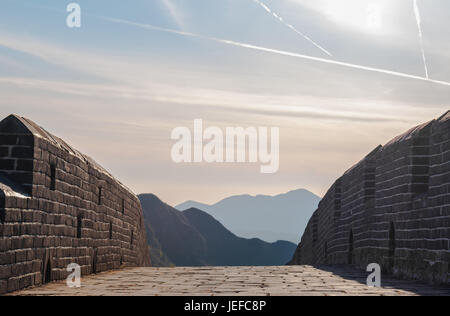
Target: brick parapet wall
point(394, 210)
point(16, 157)
point(73, 212)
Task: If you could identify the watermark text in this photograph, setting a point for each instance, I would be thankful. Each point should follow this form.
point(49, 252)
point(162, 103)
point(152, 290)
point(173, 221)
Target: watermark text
point(235, 145)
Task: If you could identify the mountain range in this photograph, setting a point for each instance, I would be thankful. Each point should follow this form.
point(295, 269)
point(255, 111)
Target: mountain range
point(195, 238)
point(270, 218)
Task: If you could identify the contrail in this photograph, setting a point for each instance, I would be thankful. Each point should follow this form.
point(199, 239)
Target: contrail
point(275, 51)
point(419, 25)
point(279, 18)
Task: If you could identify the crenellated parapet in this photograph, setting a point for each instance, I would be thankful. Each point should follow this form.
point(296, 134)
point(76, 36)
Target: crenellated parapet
point(392, 208)
point(58, 206)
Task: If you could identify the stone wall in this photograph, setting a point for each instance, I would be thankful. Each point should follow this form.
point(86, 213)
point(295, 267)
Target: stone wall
point(57, 206)
point(392, 208)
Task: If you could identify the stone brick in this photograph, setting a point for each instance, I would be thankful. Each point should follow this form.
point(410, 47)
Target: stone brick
point(7, 258)
point(22, 152)
point(3, 286)
point(7, 164)
point(13, 284)
point(5, 271)
point(8, 140)
point(24, 165)
point(22, 177)
point(40, 229)
point(25, 140)
point(4, 152)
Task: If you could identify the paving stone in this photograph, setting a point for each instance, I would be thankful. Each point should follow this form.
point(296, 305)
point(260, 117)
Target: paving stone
point(215, 281)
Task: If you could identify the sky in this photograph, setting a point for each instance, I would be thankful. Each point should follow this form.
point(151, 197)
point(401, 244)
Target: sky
point(338, 77)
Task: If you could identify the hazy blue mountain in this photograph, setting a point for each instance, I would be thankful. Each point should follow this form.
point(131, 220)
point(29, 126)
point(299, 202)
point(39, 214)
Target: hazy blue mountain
point(270, 218)
point(195, 238)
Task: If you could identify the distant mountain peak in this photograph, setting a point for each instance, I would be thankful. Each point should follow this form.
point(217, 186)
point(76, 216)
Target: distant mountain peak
point(268, 217)
point(291, 192)
point(150, 196)
point(195, 238)
point(195, 210)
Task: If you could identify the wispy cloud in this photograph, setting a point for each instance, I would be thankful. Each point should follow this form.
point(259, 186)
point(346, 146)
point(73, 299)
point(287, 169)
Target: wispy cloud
point(102, 66)
point(288, 106)
point(6, 61)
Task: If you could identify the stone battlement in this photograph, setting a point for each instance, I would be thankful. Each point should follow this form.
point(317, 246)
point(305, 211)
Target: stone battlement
point(392, 208)
point(58, 206)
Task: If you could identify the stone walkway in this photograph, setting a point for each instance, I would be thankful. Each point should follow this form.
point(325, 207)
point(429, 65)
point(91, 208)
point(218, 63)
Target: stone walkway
point(232, 281)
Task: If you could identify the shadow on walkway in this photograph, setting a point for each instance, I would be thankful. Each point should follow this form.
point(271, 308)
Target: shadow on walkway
point(353, 273)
